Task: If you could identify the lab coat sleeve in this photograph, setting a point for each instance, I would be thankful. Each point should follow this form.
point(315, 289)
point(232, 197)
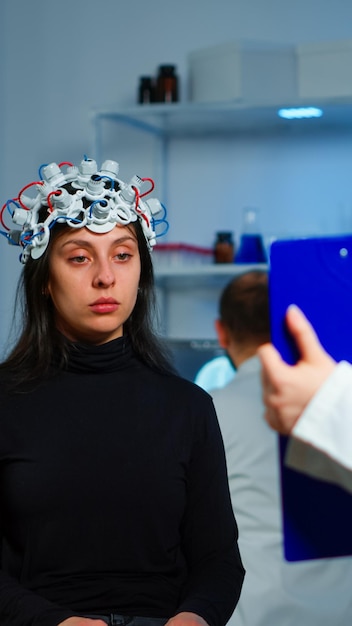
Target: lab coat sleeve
point(321, 441)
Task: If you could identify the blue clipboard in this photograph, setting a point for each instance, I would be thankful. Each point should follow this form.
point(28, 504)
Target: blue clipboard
point(315, 274)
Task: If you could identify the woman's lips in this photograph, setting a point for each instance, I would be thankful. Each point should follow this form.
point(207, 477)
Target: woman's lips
point(104, 305)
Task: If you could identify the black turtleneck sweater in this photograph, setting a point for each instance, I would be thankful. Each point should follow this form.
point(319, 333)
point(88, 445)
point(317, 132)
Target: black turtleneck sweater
point(114, 496)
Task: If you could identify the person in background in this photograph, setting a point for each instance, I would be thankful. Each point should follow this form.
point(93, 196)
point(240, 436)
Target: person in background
point(312, 402)
point(215, 373)
point(275, 592)
point(114, 503)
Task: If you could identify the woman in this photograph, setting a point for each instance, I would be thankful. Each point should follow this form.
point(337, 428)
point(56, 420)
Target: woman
point(114, 498)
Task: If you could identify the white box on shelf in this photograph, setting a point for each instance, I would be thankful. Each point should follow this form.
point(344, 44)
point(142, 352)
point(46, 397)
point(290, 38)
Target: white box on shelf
point(257, 72)
point(325, 69)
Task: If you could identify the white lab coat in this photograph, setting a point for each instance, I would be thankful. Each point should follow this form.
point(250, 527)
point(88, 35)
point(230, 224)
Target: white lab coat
point(321, 442)
point(275, 592)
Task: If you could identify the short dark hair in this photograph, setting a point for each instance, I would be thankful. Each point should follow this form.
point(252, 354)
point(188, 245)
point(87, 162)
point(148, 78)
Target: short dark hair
point(40, 342)
point(244, 307)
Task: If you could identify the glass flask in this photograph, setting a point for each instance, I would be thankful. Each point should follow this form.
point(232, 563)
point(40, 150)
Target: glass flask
point(251, 248)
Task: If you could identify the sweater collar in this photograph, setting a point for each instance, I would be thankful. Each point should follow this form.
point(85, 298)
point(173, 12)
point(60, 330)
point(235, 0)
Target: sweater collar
point(107, 357)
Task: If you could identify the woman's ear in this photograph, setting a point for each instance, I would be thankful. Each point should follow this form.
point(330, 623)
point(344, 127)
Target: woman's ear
point(222, 333)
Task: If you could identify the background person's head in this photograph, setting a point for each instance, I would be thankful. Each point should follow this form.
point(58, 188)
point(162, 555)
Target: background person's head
point(244, 323)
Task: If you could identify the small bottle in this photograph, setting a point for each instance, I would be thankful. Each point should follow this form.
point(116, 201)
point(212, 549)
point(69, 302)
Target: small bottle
point(146, 90)
point(167, 84)
point(224, 248)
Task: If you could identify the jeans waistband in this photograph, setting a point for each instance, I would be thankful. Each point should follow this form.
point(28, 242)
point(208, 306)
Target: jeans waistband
point(114, 619)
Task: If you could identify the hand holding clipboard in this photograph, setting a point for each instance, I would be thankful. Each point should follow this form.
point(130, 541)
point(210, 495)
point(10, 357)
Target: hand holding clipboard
point(315, 274)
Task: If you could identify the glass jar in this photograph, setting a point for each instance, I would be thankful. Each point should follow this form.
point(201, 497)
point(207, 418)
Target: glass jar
point(224, 248)
point(167, 84)
point(146, 90)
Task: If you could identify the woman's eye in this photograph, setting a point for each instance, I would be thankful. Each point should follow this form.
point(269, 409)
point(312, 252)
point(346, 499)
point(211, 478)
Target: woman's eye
point(123, 256)
point(78, 259)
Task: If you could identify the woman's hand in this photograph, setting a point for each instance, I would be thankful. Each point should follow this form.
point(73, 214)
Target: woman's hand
point(287, 389)
point(186, 619)
point(82, 621)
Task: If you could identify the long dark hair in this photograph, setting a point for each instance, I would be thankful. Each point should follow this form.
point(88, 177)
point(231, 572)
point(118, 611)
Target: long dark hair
point(40, 343)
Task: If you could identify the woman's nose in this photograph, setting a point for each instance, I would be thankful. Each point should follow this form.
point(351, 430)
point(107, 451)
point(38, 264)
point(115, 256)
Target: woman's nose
point(104, 275)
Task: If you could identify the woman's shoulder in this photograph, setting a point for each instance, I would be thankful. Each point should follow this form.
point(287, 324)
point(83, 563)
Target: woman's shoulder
point(177, 386)
point(190, 386)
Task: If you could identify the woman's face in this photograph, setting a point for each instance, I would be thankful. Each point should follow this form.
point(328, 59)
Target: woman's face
point(93, 282)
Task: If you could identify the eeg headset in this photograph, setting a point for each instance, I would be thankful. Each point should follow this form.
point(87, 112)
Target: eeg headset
point(80, 197)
